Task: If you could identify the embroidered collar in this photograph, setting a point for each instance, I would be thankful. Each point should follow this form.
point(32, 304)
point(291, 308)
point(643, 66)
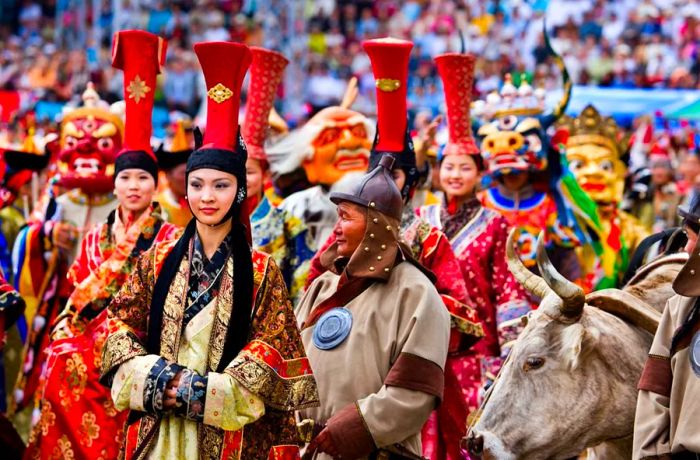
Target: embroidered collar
point(452, 223)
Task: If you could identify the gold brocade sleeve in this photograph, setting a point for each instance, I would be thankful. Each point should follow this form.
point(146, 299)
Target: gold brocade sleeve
point(128, 316)
point(273, 365)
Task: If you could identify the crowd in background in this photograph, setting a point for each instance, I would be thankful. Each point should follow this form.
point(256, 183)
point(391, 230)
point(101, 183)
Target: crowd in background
point(618, 43)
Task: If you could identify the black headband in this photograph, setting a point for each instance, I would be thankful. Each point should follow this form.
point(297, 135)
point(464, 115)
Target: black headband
point(136, 159)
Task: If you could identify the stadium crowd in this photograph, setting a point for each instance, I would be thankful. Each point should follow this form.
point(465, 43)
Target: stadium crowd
point(621, 43)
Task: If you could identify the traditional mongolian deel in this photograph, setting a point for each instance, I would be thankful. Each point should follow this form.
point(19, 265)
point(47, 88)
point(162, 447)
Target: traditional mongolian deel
point(223, 323)
point(274, 230)
point(478, 237)
point(668, 404)
point(91, 136)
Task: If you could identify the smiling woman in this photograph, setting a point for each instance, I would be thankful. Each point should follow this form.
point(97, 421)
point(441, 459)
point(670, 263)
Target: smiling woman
point(134, 189)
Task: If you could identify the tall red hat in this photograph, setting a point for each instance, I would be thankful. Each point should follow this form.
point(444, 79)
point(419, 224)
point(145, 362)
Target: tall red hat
point(224, 66)
point(141, 56)
point(389, 58)
point(457, 73)
point(266, 73)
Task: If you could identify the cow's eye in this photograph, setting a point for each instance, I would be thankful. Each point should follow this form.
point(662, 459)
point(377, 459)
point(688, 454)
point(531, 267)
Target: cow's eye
point(533, 363)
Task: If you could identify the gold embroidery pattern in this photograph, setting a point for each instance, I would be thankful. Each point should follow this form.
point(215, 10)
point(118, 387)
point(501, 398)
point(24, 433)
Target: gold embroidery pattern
point(137, 89)
point(64, 450)
point(75, 378)
point(147, 424)
point(173, 311)
point(224, 303)
point(387, 85)
point(219, 93)
point(89, 430)
point(109, 408)
point(120, 347)
point(47, 418)
point(210, 442)
point(277, 392)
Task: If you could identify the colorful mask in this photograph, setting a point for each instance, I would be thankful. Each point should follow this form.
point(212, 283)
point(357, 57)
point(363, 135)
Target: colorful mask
point(91, 136)
point(593, 152)
point(341, 146)
point(512, 128)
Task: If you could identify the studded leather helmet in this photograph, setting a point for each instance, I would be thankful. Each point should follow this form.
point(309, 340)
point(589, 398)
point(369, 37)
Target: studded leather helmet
point(380, 249)
point(377, 190)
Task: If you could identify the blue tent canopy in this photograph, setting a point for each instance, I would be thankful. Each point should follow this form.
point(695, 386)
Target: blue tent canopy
point(626, 104)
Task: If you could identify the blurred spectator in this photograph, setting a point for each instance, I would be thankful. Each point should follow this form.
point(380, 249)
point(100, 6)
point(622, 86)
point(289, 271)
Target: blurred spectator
point(181, 85)
point(620, 43)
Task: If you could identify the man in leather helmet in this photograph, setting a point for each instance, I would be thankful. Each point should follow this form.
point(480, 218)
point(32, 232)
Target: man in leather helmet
point(669, 389)
point(375, 330)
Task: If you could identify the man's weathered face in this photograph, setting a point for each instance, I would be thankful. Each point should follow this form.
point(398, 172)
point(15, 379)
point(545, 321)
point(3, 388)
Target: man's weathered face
point(350, 228)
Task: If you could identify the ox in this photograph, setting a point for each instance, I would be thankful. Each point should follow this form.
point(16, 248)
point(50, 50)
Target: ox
point(570, 381)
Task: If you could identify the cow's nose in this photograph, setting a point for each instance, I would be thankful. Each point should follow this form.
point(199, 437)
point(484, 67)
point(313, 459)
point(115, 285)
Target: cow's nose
point(475, 444)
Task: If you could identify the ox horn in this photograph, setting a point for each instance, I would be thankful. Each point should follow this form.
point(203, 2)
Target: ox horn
point(572, 296)
point(531, 282)
point(627, 307)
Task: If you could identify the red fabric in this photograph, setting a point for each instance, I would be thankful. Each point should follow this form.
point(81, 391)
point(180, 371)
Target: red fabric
point(389, 58)
point(9, 104)
point(492, 289)
point(457, 74)
point(284, 453)
point(226, 64)
point(140, 55)
point(266, 71)
point(77, 411)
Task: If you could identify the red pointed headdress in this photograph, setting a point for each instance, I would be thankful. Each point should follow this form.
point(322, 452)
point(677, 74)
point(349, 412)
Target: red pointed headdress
point(266, 73)
point(389, 58)
point(141, 56)
point(457, 74)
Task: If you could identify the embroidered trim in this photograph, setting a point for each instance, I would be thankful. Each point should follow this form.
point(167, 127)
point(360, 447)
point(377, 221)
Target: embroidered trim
point(281, 384)
point(119, 347)
point(158, 377)
point(191, 395)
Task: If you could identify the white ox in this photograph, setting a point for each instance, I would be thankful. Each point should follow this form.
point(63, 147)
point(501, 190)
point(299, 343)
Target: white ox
point(570, 382)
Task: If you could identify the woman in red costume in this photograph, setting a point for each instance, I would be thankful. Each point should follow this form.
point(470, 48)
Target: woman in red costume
point(78, 419)
point(478, 237)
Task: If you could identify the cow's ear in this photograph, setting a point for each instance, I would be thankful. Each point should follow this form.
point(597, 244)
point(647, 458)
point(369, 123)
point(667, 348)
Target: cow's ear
point(576, 342)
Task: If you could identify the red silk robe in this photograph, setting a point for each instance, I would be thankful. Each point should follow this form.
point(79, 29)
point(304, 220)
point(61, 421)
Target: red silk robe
point(479, 244)
point(78, 419)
